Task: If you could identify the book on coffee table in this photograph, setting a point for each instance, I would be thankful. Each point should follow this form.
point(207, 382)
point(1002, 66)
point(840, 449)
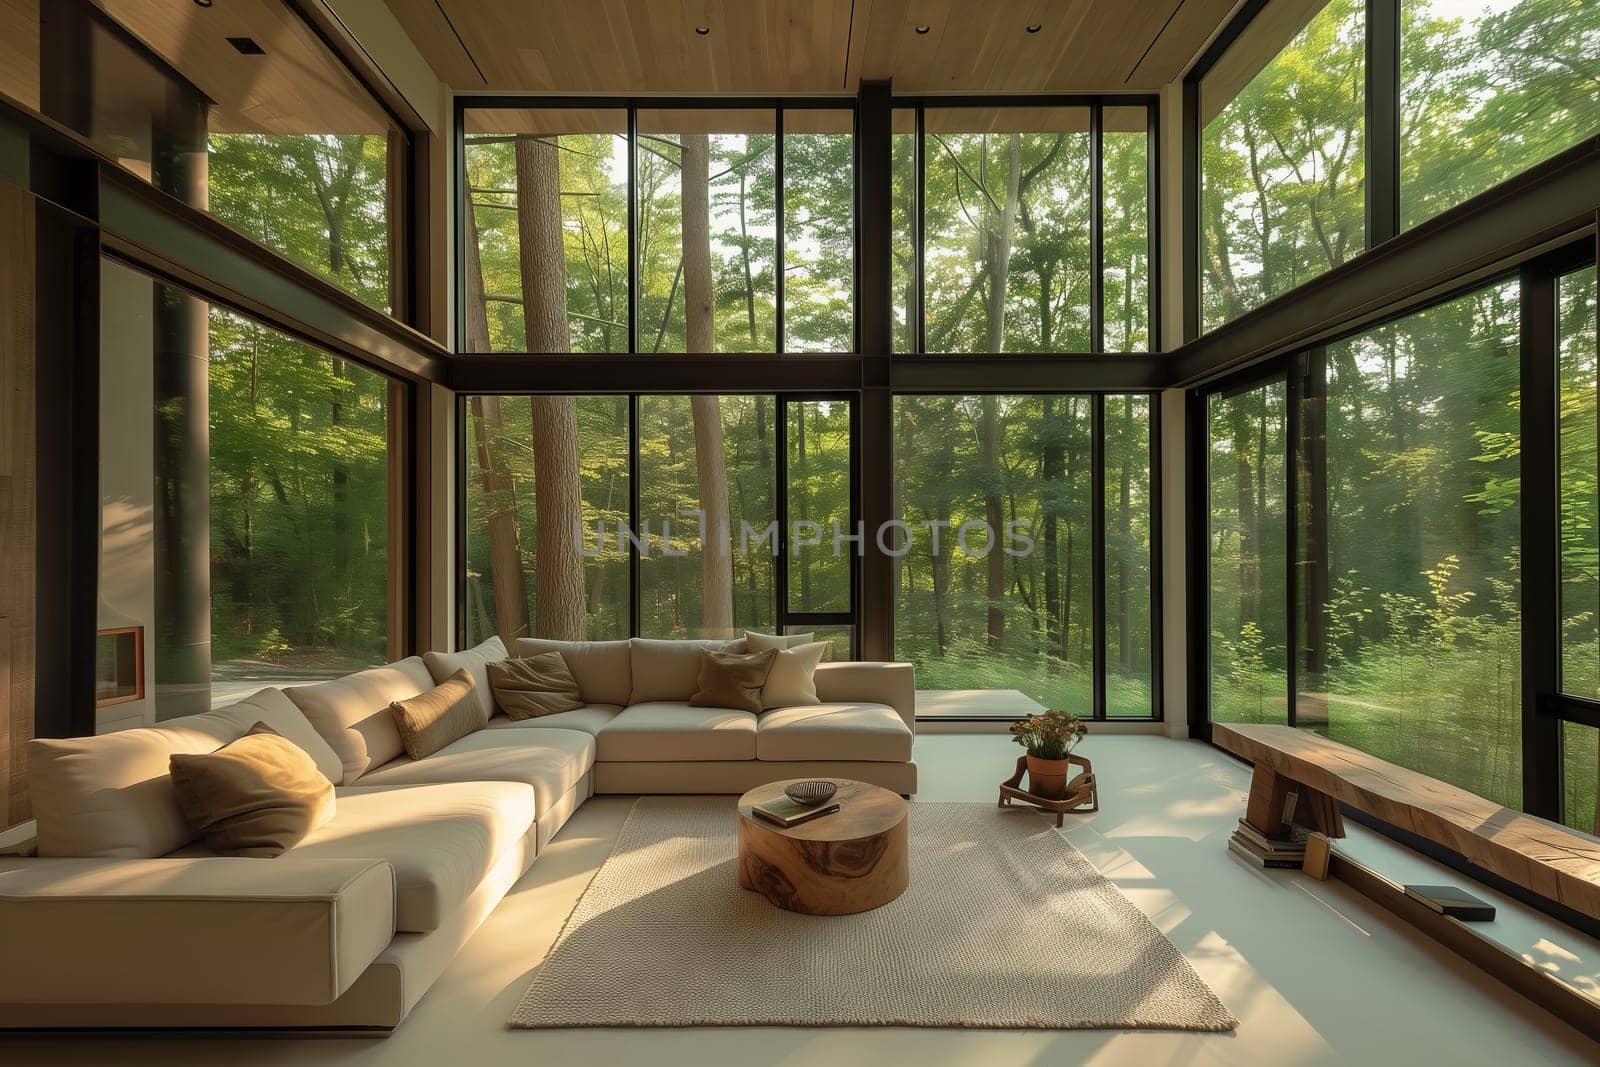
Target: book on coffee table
point(1452, 901)
point(786, 813)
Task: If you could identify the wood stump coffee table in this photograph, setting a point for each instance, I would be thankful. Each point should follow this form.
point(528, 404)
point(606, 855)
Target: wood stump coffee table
point(851, 861)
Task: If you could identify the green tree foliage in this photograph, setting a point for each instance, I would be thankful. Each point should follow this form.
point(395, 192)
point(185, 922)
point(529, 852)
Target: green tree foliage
point(298, 439)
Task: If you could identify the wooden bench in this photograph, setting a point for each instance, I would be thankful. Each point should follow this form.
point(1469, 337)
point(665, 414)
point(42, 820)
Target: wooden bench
point(1544, 858)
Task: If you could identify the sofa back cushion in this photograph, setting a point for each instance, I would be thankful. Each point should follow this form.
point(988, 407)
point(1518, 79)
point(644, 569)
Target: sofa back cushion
point(441, 665)
point(112, 796)
point(668, 670)
point(602, 669)
point(352, 713)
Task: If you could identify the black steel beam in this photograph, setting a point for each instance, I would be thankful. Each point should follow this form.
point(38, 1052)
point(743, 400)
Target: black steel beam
point(1067, 372)
point(1541, 543)
point(561, 373)
point(1383, 121)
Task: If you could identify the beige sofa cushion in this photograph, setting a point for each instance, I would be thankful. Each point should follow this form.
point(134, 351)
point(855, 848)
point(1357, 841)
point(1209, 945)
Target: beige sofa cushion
point(352, 713)
point(112, 795)
point(441, 665)
point(791, 681)
point(447, 712)
point(603, 669)
point(834, 732)
point(676, 730)
point(257, 795)
point(190, 931)
point(552, 761)
point(894, 684)
point(440, 839)
point(530, 687)
point(591, 719)
point(667, 670)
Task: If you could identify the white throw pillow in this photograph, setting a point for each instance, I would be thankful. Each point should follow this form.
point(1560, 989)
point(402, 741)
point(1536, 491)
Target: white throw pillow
point(792, 681)
point(755, 642)
point(476, 662)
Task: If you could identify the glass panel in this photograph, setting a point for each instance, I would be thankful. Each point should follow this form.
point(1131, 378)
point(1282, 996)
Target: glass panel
point(1006, 248)
point(546, 499)
point(840, 640)
point(547, 215)
point(820, 559)
point(711, 454)
point(1125, 168)
point(244, 481)
point(1129, 677)
point(1282, 154)
point(1421, 616)
point(1580, 499)
point(818, 231)
point(1580, 758)
point(902, 227)
point(239, 111)
point(1247, 539)
point(707, 231)
point(1488, 89)
point(1014, 622)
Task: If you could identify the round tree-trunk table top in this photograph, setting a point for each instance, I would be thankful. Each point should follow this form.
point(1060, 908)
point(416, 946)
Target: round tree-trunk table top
point(853, 860)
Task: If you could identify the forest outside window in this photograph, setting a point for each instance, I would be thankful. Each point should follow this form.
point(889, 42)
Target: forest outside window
point(1282, 154)
point(282, 143)
point(1490, 88)
point(245, 497)
point(546, 214)
point(997, 564)
point(1580, 537)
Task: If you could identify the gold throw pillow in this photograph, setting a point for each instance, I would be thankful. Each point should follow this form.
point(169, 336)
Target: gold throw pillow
point(534, 685)
point(447, 712)
point(733, 679)
point(258, 795)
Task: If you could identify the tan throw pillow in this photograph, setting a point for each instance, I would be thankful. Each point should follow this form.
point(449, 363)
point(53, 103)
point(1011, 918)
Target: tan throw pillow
point(733, 679)
point(447, 712)
point(537, 685)
point(792, 680)
point(755, 642)
point(258, 795)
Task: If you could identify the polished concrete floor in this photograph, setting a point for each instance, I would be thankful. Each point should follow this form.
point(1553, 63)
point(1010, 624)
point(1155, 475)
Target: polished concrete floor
point(1314, 972)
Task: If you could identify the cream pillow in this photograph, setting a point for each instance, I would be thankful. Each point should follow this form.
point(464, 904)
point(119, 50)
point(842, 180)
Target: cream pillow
point(476, 662)
point(755, 642)
point(792, 681)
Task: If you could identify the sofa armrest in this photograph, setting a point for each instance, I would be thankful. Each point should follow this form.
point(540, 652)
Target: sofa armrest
point(894, 684)
point(206, 930)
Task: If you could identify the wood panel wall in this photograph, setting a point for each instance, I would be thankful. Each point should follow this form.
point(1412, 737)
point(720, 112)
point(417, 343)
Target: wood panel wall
point(17, 567)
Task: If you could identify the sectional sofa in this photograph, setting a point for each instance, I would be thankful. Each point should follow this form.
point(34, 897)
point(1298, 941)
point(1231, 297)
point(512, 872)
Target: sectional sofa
point(122, 920)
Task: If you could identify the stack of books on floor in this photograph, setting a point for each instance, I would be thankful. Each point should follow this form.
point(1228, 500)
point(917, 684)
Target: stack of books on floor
point(1264, 851)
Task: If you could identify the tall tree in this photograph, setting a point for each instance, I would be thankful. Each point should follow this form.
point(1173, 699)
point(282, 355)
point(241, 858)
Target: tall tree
point(711, 468)
point(557, 563)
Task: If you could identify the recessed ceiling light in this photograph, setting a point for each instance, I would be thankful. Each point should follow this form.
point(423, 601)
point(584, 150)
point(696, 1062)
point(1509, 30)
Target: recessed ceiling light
point(246, 46)
point(1034, 27)
point(704, 31)
point(922, 29)
point(203, 3)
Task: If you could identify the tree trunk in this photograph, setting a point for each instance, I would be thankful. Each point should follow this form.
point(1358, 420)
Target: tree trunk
point(998, 249)
point(499, 487)
point(995, 562)
point(558, 497)
point(700, 332)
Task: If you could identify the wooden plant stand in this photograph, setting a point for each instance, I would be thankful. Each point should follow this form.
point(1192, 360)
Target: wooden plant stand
point(1082, 796)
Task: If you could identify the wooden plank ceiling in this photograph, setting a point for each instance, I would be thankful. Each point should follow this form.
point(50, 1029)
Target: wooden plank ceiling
point(809, 46)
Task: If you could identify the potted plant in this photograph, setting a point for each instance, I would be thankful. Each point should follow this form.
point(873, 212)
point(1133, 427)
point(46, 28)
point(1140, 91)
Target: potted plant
point(1049, 739)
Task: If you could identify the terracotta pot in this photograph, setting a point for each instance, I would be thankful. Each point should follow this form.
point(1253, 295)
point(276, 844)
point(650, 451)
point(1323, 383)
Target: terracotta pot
point(1047, 777)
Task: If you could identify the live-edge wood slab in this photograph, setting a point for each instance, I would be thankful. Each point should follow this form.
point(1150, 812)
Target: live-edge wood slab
point(1546, 858)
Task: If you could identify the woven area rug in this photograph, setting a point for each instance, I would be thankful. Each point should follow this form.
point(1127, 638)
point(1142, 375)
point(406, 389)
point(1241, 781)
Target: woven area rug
point(1005, 925)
